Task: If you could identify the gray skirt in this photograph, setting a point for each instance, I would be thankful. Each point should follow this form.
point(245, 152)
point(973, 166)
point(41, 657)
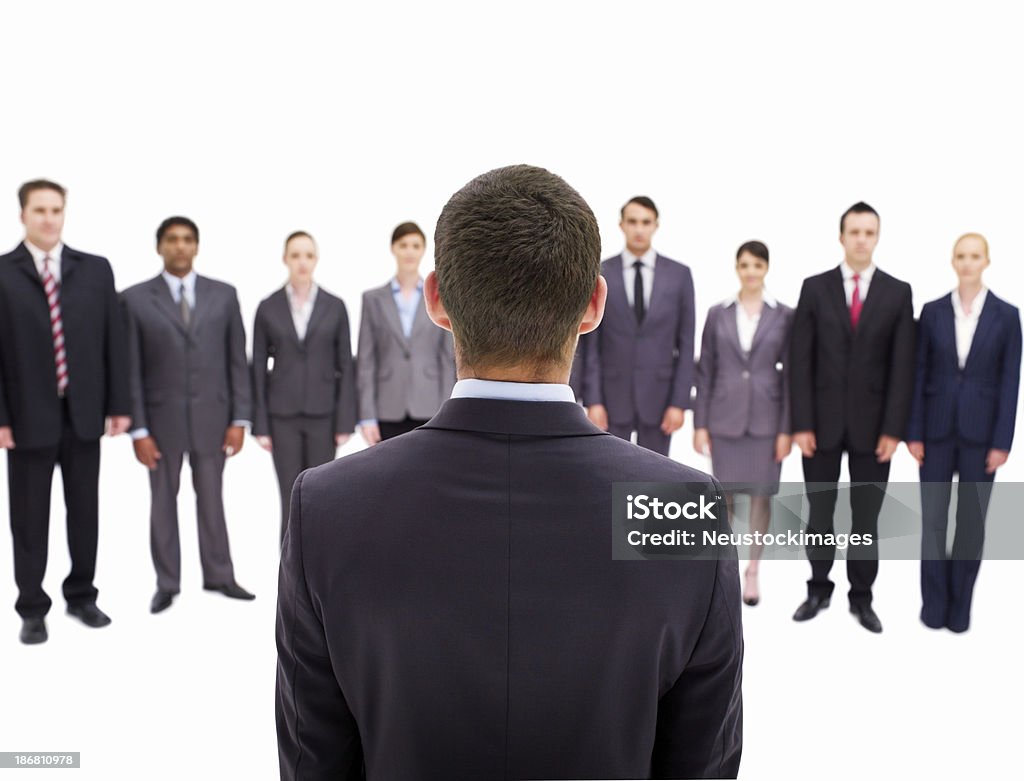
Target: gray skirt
point(746, 465)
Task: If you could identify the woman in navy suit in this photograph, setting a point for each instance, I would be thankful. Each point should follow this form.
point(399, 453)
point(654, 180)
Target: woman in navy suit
point(741, 414)
point(961, 420)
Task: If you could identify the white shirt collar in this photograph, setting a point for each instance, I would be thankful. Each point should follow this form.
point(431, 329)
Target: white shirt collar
point(512, 391)
point(766, 297)
point(174, 282)
point(39, 255)
point(648, 258)
point(848, 272)
point(976, 305)
point(396, 285)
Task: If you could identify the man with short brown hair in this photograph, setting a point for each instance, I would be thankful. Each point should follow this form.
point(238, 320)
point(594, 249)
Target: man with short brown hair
point(448, 604)
point(63, 370)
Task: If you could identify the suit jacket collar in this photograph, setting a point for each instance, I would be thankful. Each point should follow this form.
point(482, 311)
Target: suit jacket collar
point(387, 303)
point(69, 260)
point(517, 418)
point(316, 317)
point(986, 319)
point(165, 302)
point(617, 288)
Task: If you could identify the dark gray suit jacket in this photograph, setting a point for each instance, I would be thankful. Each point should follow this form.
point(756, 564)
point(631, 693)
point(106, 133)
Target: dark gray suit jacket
point(187, 383)
point(399, 376)
point(314, 377)
point(636, 371)
point(473, 625)
point(740, 393)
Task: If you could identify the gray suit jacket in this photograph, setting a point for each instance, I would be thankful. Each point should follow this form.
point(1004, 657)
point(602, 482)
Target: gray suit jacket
point(740, 393)
point(399, 376)
point(187, 383)
point(636, 371)
point(314, 377)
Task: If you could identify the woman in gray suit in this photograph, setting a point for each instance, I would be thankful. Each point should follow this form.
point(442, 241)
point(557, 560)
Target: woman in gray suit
point(406, 364)
point(741, 415)
point(303, 377)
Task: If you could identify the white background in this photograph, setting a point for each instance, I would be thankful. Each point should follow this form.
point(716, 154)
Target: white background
point(741, 120)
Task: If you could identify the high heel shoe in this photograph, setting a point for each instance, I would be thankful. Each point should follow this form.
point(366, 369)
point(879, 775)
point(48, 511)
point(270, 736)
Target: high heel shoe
point(750, 599)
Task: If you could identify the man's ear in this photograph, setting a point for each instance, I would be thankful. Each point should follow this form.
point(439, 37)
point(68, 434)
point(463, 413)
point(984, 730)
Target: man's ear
point(432, 300)
point(595, 308)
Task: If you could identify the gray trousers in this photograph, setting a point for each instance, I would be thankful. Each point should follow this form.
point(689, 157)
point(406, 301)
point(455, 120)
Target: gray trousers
point(214, 553)
point(299, 442)
point(650, 437)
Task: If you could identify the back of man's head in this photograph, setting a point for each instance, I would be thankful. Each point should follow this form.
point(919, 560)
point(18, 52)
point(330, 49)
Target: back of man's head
point(517, 254)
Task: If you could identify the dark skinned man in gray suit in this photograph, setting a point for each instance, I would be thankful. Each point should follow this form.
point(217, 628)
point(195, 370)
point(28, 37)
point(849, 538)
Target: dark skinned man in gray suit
point(190, 394)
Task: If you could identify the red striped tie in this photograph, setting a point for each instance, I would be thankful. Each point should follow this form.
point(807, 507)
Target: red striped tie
point(60, 356)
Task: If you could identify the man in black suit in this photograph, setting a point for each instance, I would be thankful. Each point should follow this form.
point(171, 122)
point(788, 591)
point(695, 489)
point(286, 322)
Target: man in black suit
point(472, 624)
point(851, 383)
point(63, 369)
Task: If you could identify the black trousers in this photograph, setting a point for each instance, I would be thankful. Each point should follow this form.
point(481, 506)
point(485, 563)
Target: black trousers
point(394, 428)
point(867, 491)
point(299, 442)
point(947, 582)
point(30, 478)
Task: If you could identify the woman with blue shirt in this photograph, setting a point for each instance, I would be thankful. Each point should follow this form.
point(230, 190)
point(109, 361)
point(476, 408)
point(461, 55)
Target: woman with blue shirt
point(405, 364)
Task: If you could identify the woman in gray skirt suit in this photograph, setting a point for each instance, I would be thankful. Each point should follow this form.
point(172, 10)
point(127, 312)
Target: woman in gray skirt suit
point(741, 415)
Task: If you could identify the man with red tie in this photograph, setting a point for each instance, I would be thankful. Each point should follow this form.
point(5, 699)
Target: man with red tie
point(852, 378)
point(63, 380)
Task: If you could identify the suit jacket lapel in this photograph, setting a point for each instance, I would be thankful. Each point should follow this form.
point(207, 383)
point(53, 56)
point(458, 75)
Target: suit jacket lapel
point(732, 329)
point(25, 262)
point(876, 290)
point(658, 285)
point(315, 317)
point(837, 292)
point(203, 303)
point(981, 332)
point(164, 302)
point(617, 290)
point(764, 324)
point(282, 310)
point(387, 303)
point(69, 261)
point(421, 320)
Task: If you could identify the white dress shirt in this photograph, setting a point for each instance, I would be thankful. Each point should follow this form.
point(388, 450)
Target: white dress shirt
point(746, 325)
point(301, 312)
point(966, 323)
point(864, 283)
point(646, 272)
point(513, 391)
point(174, 284)
point(39, 256)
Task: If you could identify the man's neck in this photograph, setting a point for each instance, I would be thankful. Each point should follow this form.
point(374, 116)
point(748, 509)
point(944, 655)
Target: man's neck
point(45, 246)
point(516, 374)
point(639, 252)
point(859, 266)
point(178, 274)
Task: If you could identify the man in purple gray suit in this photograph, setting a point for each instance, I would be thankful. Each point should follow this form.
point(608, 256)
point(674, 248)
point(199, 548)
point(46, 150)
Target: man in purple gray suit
point(637, 368)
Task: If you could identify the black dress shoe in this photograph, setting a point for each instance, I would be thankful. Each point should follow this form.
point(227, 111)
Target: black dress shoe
point(33, 631)
point(810, 608)
point(232, 590)
point(867, 617)
point(161, 601)
point(752, 601)
point(90, 615)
